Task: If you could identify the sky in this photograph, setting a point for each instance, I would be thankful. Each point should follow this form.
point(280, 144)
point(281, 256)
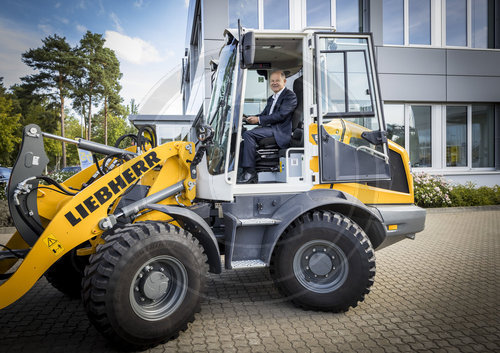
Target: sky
point(148, 36)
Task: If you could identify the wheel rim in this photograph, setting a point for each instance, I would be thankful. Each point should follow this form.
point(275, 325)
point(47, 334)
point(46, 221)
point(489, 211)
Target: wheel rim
point(158, 288)
point(320, 266)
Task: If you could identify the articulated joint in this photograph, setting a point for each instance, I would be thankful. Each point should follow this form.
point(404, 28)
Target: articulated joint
point(107, 222)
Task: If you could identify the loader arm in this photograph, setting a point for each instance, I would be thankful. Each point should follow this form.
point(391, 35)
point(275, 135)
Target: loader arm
point(77, 218)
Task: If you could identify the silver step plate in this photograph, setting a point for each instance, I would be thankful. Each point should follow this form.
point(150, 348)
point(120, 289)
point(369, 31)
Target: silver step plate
point(245, 222)
point(248, 264)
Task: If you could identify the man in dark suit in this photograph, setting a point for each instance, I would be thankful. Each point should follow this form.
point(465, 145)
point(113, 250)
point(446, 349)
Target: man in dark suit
point(275, 120)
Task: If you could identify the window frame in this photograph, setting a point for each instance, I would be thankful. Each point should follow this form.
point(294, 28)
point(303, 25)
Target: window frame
point(438, 136)
point(406, 26)
point(468, 28)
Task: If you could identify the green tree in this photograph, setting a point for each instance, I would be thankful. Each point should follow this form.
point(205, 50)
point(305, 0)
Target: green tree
point(111, 88)
point(117, 126)
point(133, 108)
point(98, 79)
point(40, 110)
point(55, 64)
point(9, 125)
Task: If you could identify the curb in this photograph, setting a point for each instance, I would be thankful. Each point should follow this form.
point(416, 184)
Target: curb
point(7, 230)
point(463, 209)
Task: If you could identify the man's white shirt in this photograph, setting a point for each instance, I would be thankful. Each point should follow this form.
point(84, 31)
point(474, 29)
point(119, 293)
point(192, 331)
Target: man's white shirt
point(275, 99)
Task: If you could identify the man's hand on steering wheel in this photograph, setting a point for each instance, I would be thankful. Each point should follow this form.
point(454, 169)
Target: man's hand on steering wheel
point(251, 119)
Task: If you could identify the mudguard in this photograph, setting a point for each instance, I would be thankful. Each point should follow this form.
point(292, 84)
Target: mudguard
point(329, 199)
point(194, 224)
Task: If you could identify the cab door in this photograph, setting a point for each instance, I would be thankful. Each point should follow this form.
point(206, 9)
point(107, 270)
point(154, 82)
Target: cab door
point(351, 130)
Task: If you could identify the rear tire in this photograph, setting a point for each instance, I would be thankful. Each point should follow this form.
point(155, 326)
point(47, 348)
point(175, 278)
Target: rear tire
point(66, 274)
point(145, 284)
point(324, 262)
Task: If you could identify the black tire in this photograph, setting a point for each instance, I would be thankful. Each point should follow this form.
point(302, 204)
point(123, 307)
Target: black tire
point(144, 285)
point(324, 262)
point(66, 274)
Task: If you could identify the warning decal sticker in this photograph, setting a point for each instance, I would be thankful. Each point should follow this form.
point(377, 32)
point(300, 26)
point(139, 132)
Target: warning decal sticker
point(53, 245)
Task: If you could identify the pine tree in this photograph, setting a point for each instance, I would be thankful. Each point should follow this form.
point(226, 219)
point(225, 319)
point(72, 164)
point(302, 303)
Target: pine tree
point(98, 79)
point(55, 64)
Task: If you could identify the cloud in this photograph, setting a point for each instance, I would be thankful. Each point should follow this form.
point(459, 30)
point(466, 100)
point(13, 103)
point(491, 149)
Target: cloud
point(63, 20)
point(134, 50)
point(186, 2)
point(46, 29)
point(139, 3)
point(116, 21)
point(80, 28)
point(102, 11)
point(57, 5)
point(15, 41)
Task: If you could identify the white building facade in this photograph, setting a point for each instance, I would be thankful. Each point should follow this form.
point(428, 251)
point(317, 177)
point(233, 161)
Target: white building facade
point(438, 63)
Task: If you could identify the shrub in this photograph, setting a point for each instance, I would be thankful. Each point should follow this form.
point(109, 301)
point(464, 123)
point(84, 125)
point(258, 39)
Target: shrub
point(61, 176)
point(3, 191)
point(470, 195)
point(431, 191)
point(435, 191)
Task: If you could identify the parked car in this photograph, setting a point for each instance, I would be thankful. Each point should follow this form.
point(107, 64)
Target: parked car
point(5, 174)
point(72, 169)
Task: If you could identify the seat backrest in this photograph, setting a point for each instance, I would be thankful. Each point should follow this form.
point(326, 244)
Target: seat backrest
point(298, 89)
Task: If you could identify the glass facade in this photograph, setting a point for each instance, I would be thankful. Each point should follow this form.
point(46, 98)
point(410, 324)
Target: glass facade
point(395, 122)
point(276, 14)
point(318, 13)
point(420, 21)
point(347, 15)
point(393, 12)
point(456, 23)
point(456, 136)
point(420, 136)
point(483, 138)
point(245, 10)
point(479, 17)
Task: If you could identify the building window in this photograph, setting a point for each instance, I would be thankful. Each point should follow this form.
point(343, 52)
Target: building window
point(468, 139)
point(420, 22)
point(420, 135)
point(456, 136)
point(470, 23)
point(456, 22)
point(395, 122)
point(318, 13)
point(246, 11)
point(347, 15)
point(483, 138)
point(276, 14)
point(480, 31)
point(416, 30)
point(393, 17)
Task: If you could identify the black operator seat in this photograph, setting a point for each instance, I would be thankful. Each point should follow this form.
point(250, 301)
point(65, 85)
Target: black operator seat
point(268, 152)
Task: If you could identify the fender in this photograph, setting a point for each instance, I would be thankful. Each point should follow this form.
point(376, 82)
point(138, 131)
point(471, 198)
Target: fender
point(194, 224)
point(329, 199)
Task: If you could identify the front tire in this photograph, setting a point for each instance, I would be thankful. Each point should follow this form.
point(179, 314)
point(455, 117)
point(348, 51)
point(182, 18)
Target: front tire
point(145, 284)
point(324, 262)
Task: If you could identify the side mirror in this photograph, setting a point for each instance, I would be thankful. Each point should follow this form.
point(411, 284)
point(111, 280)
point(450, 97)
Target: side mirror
point(248, 49)
point(213, 65)
point(204, 133)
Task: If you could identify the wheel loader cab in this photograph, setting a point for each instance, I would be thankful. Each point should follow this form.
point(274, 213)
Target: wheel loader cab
point(338, 128)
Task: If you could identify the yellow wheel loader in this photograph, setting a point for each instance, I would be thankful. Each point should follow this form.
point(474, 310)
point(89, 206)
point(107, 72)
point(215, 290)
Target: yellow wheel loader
point(136, 233)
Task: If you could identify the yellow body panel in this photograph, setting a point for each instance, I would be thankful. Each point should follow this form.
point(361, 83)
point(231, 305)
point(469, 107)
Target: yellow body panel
point(61, 235)
point(365, 193)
